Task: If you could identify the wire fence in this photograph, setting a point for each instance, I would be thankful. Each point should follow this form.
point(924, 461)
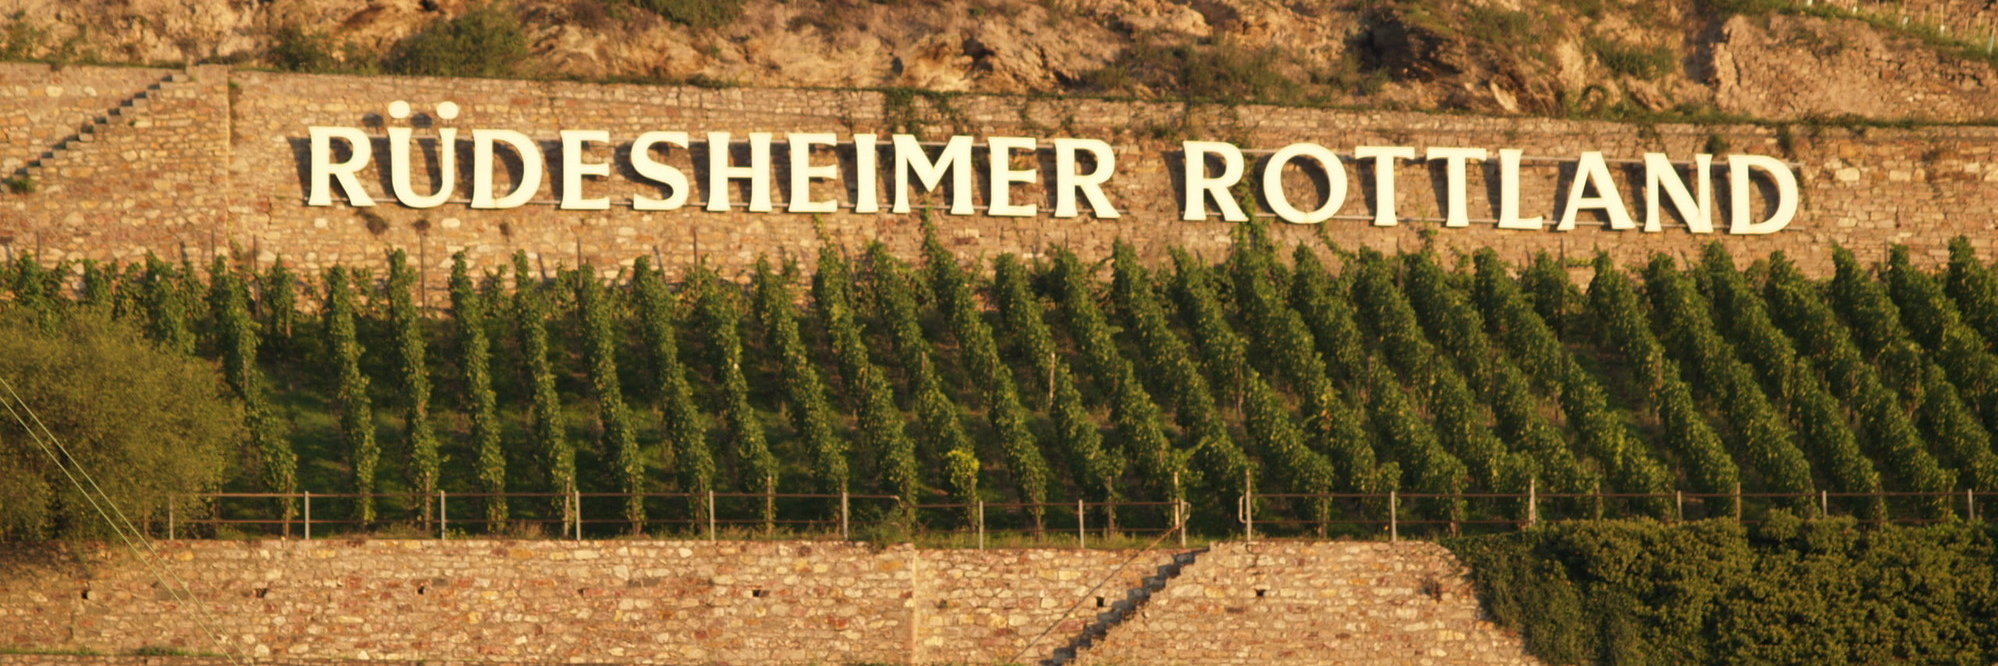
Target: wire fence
point(580, 515)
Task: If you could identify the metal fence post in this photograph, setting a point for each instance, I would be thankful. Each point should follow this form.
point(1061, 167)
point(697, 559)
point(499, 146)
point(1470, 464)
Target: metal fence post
point(981, 524)
point(1679, 505)
point(1394, 521)
point(308, 515)
point(1081, 532)
point(1824, 503)
point(576, 500)
point(711, 515)
point(845, 534)
point(170, 517)
point(1737, 502)
point(443, 517)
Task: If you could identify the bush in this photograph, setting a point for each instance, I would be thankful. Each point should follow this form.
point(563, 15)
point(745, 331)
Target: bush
point(1222, 71)
point(1644, 62)
point(484, 42)
point(692, 13)
point(145, 422)
point(295, 50)
point(1715, 592)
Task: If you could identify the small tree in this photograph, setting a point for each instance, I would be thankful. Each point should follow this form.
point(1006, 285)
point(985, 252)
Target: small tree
point(149, 425)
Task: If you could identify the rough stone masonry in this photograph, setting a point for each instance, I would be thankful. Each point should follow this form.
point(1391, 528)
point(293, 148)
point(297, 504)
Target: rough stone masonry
point(746, 602)
point(211, 161)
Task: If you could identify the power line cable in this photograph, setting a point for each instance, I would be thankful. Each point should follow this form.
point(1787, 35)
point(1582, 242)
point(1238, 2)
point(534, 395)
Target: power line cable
point(126, 531)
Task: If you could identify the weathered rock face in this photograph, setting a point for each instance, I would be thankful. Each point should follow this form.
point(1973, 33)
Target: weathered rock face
point(1759, 70)
point(1499, 56)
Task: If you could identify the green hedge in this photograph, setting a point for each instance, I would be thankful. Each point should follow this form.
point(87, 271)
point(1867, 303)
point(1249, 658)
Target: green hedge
point(1785, 591)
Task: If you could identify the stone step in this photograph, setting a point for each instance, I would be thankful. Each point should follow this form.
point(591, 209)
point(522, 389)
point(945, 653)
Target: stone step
point(89, 132)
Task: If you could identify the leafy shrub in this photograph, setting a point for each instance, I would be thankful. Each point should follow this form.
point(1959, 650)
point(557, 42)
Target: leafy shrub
point(1644, 62)
point(692, 13)
point(805, 393)
point(19, 184)
point(1717, 592)
point(1803, 310)
point(413, 380)
point(1220, 71)
point(294, 50)
point(145, 422)
point(1280, 337)
point(484, 42)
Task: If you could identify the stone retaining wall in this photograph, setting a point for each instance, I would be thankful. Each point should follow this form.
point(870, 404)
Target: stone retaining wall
point(219, 171)
point(734, 602)
point(1315, 603)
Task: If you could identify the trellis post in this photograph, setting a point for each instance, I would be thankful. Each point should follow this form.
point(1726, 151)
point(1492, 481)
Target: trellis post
point(1394, 518)
point(1532, 502)
point(845, 534)
point(1081, 530)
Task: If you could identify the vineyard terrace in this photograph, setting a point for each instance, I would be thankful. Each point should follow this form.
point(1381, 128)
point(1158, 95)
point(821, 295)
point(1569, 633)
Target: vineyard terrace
point(1210, 172)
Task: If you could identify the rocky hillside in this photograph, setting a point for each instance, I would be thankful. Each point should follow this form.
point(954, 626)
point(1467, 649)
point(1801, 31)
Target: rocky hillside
point(1770, 59)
